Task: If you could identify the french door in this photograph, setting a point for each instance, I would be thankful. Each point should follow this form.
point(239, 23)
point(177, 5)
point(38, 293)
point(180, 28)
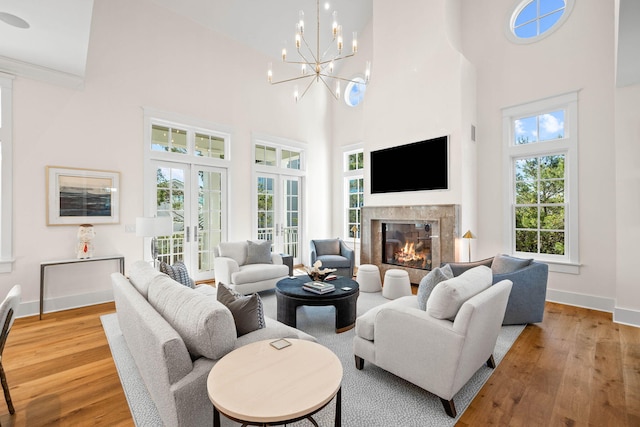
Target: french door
point(278, 212)
point(193, 195)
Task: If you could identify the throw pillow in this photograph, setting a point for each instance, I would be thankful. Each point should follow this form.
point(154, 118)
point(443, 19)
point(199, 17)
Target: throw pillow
point(507, 264)
point(259, 252)
point(428, 282)
point(448, 296)
point(247, 311)
point(178, 272)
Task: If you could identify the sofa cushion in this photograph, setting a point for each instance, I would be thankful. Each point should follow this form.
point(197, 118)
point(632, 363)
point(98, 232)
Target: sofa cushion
point(507, 264)
point(257, 272)
point(205, 325)
point(178, 272)
point(327, 247)
point(365, 324)
point(247, 311)
point(258, 252)
point(140, 275)
point(428, 282)
point(335, 261)
point(448, 296)
point(234, 250)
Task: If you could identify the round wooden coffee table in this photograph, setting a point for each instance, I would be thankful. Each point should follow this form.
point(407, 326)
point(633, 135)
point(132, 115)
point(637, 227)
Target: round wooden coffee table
point(260, 385)
point(290, 295)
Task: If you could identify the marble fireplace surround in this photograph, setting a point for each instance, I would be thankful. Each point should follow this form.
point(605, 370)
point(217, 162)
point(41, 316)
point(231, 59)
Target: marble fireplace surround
point(444, 220)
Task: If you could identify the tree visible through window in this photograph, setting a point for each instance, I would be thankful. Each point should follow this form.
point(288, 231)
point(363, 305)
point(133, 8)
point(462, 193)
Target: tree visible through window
point(541, 149)
point(540, 204)
point(354, 183)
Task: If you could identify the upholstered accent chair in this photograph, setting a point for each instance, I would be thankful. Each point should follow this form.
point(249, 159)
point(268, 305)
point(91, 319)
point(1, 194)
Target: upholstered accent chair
point(333, 253)
point(8, 309)
point(248, 266)
point(529, 278)
point(438, 349)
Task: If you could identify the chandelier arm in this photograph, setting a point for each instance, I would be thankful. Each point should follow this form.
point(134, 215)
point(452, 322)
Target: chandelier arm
point(340, 78)
point(315, 60)
point(307, 88)
point(338, 58)
point(327, 85)
point(293, 79)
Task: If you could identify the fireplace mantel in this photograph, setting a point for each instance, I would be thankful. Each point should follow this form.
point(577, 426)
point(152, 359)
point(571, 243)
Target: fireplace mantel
point(446, 218)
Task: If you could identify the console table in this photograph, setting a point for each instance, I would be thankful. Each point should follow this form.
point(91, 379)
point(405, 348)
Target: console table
point(45, 264)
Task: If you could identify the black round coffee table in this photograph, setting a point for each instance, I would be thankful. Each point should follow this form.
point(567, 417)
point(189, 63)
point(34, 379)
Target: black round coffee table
point(290, 295)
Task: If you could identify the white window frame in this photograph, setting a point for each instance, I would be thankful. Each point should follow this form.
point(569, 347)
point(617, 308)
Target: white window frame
point(6, 173)
point(570, 261)
point(349, 175)
point(192, 126)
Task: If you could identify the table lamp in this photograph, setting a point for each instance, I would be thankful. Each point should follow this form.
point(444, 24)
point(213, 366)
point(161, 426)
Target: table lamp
point(154, 227)
point(469, 235)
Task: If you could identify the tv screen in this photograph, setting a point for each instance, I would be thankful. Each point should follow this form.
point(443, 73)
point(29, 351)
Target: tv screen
point(422, 165)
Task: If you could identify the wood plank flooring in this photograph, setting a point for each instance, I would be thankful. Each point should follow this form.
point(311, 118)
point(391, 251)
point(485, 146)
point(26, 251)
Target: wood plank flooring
point(577, 368)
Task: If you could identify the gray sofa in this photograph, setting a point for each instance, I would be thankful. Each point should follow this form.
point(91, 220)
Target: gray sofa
point(175, 335)
point(529, 292)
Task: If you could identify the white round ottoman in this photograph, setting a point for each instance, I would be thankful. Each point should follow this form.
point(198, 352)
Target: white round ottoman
point(368, 278)
point(396, 284)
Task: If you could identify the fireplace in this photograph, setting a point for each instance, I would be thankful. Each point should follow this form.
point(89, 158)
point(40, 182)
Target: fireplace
point(407, 244)
point(440, 239)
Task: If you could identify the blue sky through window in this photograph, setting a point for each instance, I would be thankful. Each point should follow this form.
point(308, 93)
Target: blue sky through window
point(544, 127)
point(537, 17)
point(355, 92)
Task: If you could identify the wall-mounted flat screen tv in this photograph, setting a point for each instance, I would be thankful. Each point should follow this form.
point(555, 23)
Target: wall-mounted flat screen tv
point(422, 165)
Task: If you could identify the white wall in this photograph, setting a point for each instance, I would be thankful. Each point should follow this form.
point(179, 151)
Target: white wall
point(579, 56)
point(627, 146)
point(141, 55)
point(421, 87)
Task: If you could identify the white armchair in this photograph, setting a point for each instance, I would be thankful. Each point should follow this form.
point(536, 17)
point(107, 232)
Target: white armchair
point(438, 355)
point(248, 266)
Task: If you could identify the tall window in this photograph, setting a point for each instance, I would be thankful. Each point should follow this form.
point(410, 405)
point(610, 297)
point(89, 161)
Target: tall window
point(279, 177)
point(6, 173)
point(186, 163)
point(541, 163)
point(354, 191)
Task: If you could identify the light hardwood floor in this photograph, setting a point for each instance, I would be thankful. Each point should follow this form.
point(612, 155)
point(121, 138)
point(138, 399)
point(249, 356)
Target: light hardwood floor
point(575, 368)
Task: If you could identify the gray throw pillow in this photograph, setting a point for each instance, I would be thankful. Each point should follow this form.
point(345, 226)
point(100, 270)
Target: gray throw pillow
point(178, 272)
point(503, 264)
point(247, 311)
point(428, 282)
point(258, 252)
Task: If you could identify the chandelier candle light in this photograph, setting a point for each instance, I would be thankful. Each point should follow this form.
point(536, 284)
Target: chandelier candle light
point(317, 66)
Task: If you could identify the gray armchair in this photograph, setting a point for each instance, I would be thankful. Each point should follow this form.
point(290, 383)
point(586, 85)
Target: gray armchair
point(529, 292)
point(333, 253)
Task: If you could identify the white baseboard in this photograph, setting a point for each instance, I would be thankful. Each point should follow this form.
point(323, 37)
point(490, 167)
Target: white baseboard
point(620, 315)
point(32, 308)
point(626, 316)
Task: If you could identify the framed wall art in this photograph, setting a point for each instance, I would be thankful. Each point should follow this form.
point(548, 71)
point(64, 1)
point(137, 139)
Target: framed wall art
point(82, 196)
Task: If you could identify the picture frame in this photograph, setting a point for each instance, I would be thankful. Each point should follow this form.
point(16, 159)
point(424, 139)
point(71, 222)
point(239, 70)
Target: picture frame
point(82, 196)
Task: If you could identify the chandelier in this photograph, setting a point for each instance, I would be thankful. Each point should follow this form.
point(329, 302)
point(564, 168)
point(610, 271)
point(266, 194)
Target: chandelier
point(319, 66)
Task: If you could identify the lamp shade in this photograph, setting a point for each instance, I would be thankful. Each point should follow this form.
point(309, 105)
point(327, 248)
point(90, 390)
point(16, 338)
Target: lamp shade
point(468, 235)
point(154, 226)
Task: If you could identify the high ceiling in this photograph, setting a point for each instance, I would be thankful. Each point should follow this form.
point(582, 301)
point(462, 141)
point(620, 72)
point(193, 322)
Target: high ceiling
point(56, 42)
point(58, 37)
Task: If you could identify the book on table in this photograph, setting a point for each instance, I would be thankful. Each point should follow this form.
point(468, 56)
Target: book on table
point(318, 287)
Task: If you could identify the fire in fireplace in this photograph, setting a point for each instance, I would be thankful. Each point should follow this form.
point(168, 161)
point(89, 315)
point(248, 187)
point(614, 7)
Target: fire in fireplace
point(407, 244)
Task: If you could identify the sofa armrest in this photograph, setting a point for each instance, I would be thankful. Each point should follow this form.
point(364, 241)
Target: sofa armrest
point(428, 342)
point(347, 252)
point(313, 256)
point(223, 267)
